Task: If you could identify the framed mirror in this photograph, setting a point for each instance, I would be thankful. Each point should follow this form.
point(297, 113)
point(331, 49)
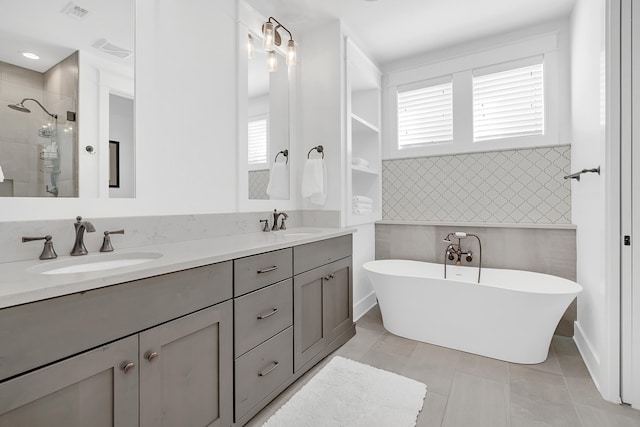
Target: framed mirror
point(58, 59)
point(267, 123)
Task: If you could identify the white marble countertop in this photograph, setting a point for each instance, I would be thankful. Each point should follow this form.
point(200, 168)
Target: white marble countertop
point(22, 282)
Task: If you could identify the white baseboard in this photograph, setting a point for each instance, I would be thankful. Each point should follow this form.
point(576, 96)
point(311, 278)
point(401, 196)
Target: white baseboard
point(589, 355)
point(364, 305)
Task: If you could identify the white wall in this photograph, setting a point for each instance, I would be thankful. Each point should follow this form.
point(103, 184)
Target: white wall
point(322, 106)
point(185, 119)
point(588, 196)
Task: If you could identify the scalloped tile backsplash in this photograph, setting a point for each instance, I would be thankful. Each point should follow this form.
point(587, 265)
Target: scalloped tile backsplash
point(512, 186)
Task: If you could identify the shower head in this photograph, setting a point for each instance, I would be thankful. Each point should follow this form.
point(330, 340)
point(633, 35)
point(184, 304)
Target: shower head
point(19, 107)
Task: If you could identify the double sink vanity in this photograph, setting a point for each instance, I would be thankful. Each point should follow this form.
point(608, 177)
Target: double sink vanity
point(202, 333)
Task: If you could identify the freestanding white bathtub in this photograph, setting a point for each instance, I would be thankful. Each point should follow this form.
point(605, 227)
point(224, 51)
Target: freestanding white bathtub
point(511, 315)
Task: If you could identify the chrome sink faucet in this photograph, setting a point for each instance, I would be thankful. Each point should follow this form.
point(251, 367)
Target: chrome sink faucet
point(282, 226)
point(81, 227)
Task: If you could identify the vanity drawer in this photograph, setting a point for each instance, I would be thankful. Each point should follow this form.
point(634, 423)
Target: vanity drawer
point(257, 271)
point(262, 370)
point(312, 255)
point(34, 334)
point(261, 314)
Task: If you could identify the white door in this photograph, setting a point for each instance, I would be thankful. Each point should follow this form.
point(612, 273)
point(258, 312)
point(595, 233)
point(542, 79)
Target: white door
point(630, 204)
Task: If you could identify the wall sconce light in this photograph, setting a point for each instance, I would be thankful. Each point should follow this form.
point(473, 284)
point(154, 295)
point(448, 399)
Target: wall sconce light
point(250, 47)
point(271, 38)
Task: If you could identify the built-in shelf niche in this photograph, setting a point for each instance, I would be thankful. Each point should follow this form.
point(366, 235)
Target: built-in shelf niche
point(363, 131)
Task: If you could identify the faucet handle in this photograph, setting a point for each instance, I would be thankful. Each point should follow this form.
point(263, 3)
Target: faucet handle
point(106, 243)
point(282, 224)
point(266, 224)
point(47, 252)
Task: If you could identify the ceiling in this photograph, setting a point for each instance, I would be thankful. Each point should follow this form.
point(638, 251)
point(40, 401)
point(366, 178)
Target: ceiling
point(41, 27)
point(390, 30)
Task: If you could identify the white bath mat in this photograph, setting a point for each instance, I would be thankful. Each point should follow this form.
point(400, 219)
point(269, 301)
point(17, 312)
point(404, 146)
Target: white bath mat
point(349, 394)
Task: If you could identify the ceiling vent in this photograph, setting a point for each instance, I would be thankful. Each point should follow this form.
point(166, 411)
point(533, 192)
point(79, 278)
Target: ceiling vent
point(74, 11)
point(112, 49)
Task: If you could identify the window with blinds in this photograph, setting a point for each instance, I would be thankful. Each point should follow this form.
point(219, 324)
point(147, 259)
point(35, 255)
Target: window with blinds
point(425, 115)
point(509, 103)
point(257, 141)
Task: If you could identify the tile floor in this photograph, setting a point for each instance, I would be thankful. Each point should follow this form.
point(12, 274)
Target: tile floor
point(465, 390)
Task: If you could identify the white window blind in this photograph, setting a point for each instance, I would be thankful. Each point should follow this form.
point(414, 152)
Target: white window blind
point(509, 103)
point(257, 141)
point(425, 115)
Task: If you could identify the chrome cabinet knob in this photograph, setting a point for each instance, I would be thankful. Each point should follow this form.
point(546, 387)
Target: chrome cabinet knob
point(127, 366)
point(151, 356)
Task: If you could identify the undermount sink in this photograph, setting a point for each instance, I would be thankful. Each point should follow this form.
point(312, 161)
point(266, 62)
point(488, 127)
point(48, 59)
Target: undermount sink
point(97, 262)
point(300, 232)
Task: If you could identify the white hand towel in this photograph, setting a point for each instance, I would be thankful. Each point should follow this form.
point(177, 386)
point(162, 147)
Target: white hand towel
point(361, 199)
point(359, 161)
point(314, 181)
point(357, 205)
point(357, 211)
point(1, 174)
point(278, 187)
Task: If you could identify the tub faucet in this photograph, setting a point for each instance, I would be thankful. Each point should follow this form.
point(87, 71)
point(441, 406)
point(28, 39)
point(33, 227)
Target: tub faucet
point(276, 214)
point(81, 227)
point(455, 250)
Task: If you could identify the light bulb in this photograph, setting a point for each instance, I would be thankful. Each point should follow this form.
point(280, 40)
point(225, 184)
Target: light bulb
point(272, 61)
point(268, 36)
point(250, 50)
point(291, 53)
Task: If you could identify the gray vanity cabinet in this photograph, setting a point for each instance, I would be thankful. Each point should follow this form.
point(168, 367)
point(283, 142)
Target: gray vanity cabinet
point(168, 357)
point(186, 370)
point(322, 297)
point(323, 308)
point(90, 389)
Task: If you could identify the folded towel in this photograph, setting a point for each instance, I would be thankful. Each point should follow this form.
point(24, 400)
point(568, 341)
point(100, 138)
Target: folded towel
point(314, 181)
point(356, 205)
point(357, 211)
point(359, 161)
point(361, 199)
point(1, 174)
point(278, 187)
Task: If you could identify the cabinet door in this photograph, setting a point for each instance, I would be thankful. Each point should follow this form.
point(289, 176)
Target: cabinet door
point(323, 308)
point(338, 305)
point(308, 330)
point(90, 389)
point(186, 370)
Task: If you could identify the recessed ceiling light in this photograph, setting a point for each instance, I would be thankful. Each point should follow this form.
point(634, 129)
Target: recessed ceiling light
point(30, 55)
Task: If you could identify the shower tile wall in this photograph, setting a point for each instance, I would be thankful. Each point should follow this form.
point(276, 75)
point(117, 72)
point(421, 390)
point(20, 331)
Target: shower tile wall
point(513, 186)
point(258, 181)
point(61, 95)
point(20, 144)
point(19, 147)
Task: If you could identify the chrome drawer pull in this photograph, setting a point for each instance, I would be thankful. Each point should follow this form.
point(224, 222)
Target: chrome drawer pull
point(269, 314)
point(268, 371)
point(268, 270)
